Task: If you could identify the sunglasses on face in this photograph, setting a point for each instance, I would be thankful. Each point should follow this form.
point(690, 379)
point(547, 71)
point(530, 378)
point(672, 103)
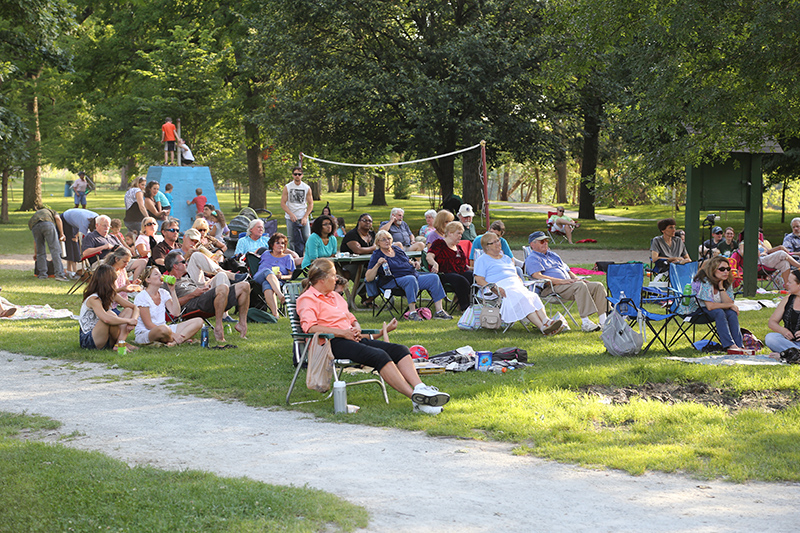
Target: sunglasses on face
point(297, 173)
point(724, 269)
point(151, 224)
point(171, 230)
point(180, 262)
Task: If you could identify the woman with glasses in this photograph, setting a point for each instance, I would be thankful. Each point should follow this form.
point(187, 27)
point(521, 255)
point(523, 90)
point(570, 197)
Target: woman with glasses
point(148, 239)
point(716, 296)
point(563, 224)
point(493, 266)
point(211, 243)
point(275, 268)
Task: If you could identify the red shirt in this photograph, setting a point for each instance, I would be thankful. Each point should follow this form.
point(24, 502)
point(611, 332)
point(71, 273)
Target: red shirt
point(199, 202)
point(449, 260)
point(168, 130)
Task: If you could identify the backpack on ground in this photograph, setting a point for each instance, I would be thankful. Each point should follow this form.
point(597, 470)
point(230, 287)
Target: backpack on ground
point(619, 338)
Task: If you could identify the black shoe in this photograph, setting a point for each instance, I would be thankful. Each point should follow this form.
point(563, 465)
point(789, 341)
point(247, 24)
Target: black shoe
point(791, 356)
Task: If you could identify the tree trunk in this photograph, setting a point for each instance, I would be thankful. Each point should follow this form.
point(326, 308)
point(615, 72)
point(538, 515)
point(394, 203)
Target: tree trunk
point(125, 172)
point(473, 186)
point(561, 181)
point(592, 108)
point(316, 190)
point(332, 187)
point(379, 190)
point(783, 201)
point(255, 168)
point(32, 174)
point(362, 189)
point(4, 208)
point(504, 188)
point(538, 184)
point(444, 169)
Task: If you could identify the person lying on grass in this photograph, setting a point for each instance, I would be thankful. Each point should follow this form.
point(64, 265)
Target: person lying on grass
point(323, 310)
point(99, 326)
point(152, 302)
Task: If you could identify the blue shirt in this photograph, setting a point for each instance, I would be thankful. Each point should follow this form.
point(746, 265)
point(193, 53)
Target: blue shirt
point(401, 233)
point(246, 244)
point(161, 197)
point(476, 245)
point(399, 265)
point(316, 248)
point(169, 198)
point(286, 263)
point(792, 242)
point(549, 264)
point(495, 270)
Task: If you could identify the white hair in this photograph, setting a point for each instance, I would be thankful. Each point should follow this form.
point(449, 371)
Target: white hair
point(101, 218)
point(253, 224)
point(396, 210)
point(795, 219)
point(430, 212)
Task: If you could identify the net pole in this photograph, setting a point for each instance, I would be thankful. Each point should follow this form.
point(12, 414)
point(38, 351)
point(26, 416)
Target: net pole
point(485, 183)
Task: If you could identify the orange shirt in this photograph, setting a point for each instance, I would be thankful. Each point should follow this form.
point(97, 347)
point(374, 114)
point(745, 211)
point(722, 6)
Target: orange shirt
point(327, 310)
point(169, 131)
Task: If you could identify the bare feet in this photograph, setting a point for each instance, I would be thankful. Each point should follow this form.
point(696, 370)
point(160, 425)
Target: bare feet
point(242, 329)
point(391, 326)
point(219, 333)
point(131, 347)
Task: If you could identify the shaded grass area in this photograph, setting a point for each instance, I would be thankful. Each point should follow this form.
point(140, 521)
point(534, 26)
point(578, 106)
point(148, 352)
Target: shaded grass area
point(541, 409)
point(53, 488)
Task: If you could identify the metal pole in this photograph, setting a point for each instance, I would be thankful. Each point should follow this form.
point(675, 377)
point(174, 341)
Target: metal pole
point(485, 184)
point(178, 148)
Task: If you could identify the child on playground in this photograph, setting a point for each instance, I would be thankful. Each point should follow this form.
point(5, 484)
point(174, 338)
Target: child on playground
point(199, 202)
point(168, 137)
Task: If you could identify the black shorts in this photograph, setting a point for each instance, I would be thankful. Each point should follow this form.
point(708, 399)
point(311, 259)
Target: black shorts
point(376, 354)
point(169, 146)
point(73, 251)
point(205, 302)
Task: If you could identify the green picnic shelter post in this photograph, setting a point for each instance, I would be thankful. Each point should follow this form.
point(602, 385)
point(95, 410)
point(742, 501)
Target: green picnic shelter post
point(734, 184)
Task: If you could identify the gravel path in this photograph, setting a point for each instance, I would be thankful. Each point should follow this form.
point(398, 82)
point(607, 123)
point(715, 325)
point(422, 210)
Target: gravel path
point(408, 481)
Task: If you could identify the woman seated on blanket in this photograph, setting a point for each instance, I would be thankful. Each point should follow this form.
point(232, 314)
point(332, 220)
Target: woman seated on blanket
point(403, 274)
point(275, 268)
point(152, 302)
point(716, 296)
point(518, 302)
point(788, 312)
point(99, 327)
point(447, 259)
point(323, 310)
point(120, 259)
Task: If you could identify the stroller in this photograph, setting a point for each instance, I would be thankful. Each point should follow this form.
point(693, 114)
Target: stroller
point(238, 226)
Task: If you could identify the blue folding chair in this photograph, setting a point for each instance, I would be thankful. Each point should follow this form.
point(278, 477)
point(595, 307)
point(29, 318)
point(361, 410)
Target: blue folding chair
point(625, 282)
point(688, 312)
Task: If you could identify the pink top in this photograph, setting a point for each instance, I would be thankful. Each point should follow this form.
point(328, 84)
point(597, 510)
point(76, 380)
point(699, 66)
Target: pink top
point(327, 310)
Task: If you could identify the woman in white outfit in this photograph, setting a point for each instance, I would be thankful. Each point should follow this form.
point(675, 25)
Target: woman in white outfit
point(493, 266)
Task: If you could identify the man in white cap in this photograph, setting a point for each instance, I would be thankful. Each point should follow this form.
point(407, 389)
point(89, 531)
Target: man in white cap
point(545, 264)
point(465, 214)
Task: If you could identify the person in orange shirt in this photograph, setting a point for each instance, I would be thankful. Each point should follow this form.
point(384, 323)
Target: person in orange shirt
point(323, 310)
point(168, 137)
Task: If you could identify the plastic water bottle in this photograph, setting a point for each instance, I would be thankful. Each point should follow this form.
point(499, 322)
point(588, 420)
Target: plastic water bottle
point(204, 336)
point(687, 291)
point(623, 307)
point(386, 271)
point(339, 397)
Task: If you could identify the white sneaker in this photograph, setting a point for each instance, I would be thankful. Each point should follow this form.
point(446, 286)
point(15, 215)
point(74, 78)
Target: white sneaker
point(427, 409)
point(588, 326)
point(564, 321)
point(426, 395)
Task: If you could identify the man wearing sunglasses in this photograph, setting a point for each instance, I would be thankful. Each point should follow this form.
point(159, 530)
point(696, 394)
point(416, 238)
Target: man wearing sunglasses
point(169, 230)
point(297, 202)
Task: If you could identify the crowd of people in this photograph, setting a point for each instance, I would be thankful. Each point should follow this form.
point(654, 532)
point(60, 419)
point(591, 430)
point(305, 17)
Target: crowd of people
point(150, 274)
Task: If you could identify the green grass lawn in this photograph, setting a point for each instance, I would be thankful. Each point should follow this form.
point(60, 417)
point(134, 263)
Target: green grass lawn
point(54, 488)
point(542, 409)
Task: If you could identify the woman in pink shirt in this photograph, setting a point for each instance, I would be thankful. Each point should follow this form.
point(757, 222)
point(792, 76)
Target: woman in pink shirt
point(323, 310)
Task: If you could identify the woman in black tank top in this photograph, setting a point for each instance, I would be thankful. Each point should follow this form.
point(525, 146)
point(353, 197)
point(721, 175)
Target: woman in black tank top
point(788, 311)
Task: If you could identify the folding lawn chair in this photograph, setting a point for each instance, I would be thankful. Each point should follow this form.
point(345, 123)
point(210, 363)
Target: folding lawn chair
point(553, 298)
point(555, 235)
point(625, 283)
point(300, 346)
point(688, 312)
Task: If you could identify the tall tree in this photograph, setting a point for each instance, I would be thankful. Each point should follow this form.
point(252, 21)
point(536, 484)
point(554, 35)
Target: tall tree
point(421, 78)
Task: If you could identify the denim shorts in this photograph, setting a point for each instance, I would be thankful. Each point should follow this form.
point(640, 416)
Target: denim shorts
point(87, 342)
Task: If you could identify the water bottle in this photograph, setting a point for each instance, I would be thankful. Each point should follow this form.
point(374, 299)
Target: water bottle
point(687, 291)
point(339, 397)
point(169, 280)
point(623, 307)
point(204, 336)
point(386, 271)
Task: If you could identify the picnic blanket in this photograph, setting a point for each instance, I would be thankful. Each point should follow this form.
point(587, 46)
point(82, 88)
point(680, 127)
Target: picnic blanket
point(36, 311)
point(729, 360)
point(586, 272)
